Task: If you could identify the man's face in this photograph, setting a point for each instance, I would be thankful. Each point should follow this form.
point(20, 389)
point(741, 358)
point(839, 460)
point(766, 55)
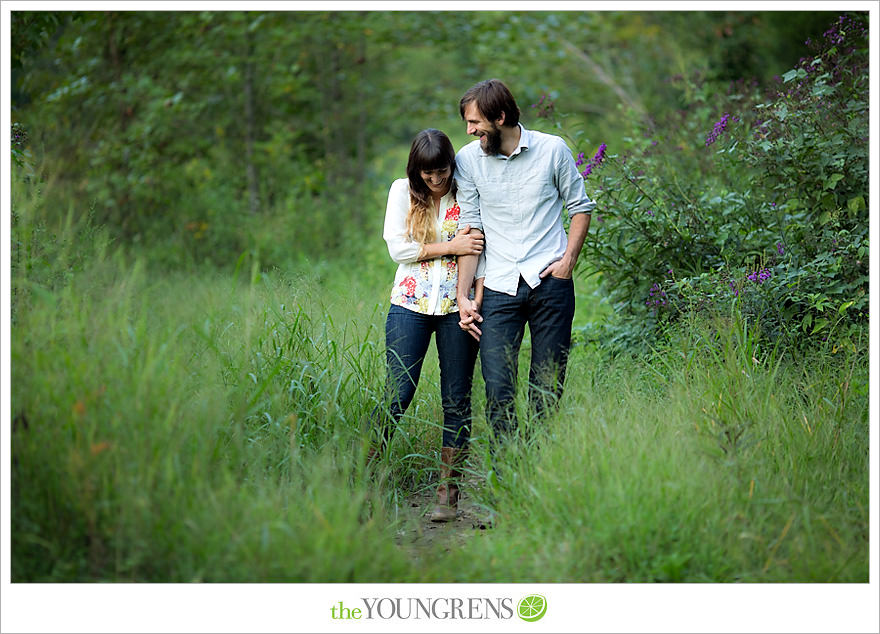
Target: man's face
point(489, 132)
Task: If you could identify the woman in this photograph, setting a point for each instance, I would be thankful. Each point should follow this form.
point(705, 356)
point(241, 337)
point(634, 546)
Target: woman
point(421, 230)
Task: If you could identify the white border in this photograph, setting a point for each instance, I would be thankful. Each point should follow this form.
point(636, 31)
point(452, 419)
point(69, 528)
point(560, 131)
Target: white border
point(670, 608)
point(305, 607)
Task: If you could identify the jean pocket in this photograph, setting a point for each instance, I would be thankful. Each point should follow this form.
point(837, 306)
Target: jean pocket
point(563, 280)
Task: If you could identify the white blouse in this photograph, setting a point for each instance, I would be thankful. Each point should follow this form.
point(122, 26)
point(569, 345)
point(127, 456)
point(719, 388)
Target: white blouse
point(428, 286)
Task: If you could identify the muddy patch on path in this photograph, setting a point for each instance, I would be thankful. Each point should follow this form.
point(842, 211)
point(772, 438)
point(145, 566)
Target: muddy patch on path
point(422, 537)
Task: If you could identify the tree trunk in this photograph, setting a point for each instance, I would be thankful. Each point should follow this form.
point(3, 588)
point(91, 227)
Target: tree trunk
point(361, 134)
point(250, 125)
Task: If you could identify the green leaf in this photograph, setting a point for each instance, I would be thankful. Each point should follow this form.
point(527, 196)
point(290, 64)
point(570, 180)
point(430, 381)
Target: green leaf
point(844, 306)
point(782, 112)
point(856, 204)
point(832, 181)
point(787, 77)
point(819, 326)
point(808, 320)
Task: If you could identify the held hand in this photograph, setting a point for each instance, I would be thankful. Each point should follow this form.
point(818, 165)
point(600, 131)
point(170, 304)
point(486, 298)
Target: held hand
point(465, 243)
point(468, 310)
point(560, 269)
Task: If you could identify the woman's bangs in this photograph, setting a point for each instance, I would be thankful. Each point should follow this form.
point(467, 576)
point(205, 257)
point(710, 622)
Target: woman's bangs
point(433, 159)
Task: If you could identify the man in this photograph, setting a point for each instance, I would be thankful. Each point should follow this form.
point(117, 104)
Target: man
point(512, 185)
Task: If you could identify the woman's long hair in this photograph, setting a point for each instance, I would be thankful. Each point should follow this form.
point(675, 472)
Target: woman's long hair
point(431, 150)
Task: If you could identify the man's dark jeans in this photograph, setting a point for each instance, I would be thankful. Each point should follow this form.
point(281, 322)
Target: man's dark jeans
point(549, 311)
point(407, 335)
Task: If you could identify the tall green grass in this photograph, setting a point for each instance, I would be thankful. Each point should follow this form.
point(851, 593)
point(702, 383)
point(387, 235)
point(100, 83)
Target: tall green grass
point(212, 427)
point(716, 463)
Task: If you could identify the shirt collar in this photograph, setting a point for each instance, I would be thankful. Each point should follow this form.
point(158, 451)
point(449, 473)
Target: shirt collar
point(525, 138)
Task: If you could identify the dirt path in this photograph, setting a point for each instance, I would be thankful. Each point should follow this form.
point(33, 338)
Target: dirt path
point(423, 537)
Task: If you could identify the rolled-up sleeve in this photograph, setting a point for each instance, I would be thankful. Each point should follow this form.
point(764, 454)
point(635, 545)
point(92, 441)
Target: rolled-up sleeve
point(481, 267)
point(467, 195)
point(401, 249)
point(571, 184)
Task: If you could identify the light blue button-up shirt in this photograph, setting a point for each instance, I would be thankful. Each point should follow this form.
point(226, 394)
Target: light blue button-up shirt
point(517, 202)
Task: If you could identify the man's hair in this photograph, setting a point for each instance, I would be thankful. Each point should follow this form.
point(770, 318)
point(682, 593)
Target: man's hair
point(492, 98)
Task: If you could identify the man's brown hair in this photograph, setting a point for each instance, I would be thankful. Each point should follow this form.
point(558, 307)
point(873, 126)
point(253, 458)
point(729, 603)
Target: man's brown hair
point(492, 98)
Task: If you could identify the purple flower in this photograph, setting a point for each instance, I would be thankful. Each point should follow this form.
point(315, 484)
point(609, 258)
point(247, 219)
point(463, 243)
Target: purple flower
point(600, 155)
point(717, 129)
point(19, 136)
point(759, 277)
point(656, 296)
point(593, 163)
point(545, 110)
point(780, 248)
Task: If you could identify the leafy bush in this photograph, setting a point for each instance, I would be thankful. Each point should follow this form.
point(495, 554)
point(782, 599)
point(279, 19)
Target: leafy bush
point(752, 200)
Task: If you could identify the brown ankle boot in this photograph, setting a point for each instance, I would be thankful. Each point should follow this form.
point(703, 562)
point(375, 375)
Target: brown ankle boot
point(373, 454)
point(447, 491)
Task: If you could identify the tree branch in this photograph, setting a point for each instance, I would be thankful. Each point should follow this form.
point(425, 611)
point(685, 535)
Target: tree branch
point(602, 76)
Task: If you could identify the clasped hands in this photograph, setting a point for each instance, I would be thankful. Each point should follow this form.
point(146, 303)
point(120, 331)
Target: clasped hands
point(466, 243)
point(469, 310)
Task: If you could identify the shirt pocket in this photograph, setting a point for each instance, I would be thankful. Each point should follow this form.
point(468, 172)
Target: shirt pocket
point(535, 188)
point(497, 194)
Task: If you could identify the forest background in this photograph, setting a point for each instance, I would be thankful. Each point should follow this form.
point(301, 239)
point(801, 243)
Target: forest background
point(199, 286)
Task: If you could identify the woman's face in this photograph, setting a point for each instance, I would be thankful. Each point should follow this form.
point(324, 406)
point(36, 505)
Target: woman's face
point(437, 180)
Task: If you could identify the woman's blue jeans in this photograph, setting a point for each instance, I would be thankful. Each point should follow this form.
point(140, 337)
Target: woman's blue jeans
point(549, 310)
point(407, 335)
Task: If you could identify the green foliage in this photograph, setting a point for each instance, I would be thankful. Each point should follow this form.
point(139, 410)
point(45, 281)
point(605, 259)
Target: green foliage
point(209, 424)
point(212, 427)
point(202, 135)
point(181, 429)
point(31, 31)
point(712, 459)
point(18, 146)
point(176, 143)
point(47, 249)
point(765, 213)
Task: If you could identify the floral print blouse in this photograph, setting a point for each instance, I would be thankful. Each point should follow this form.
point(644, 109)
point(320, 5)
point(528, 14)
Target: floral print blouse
point(428, 286)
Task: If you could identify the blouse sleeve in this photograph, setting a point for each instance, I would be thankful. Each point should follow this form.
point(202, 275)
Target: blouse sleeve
point(400, 247)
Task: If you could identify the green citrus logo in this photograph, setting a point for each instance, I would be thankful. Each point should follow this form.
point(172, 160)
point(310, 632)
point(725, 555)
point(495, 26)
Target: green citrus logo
point(532, 607)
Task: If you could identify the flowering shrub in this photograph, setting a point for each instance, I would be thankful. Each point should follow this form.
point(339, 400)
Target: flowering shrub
point(718, 129)
point(594, 162)
point(755, 201)
point(18, 145)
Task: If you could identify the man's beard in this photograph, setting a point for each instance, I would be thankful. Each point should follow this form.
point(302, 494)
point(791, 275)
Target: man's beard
point(493, 140)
